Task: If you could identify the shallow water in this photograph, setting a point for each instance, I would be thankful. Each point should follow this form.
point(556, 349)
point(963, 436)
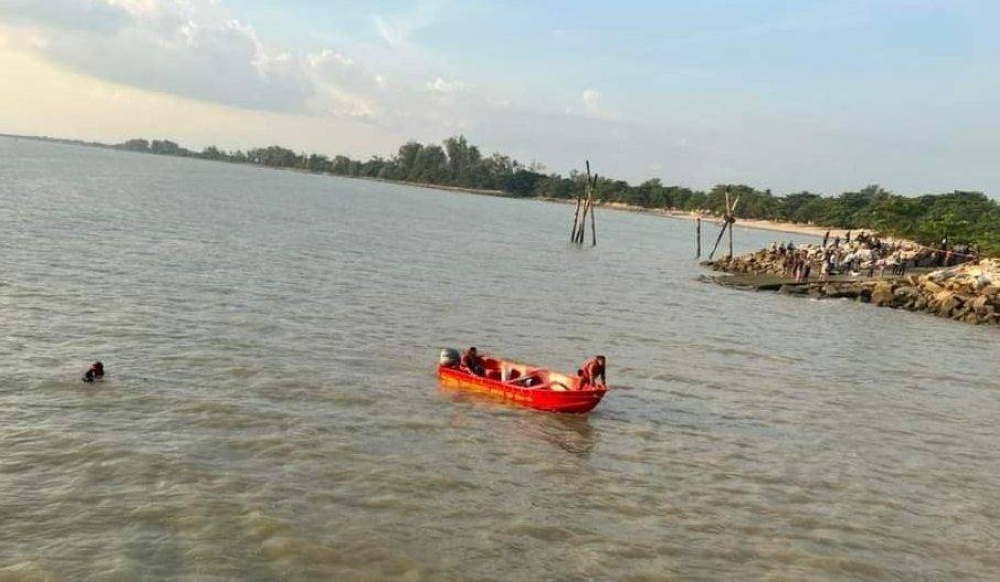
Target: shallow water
point(271, 410)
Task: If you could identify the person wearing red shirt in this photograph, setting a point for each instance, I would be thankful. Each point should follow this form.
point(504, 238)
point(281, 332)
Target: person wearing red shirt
point(592, 370)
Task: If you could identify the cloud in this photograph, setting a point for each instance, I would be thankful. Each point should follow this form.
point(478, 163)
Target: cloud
point(396, 30)
point(199, 49)
point(439, 85)
point(392, 34)
point(190, 48)
point(591, 105)
point(591, 101)
point(68, 15)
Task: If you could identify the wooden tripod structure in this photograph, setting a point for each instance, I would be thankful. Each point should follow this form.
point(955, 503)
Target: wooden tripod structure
point(586, 202)
point(727, 224)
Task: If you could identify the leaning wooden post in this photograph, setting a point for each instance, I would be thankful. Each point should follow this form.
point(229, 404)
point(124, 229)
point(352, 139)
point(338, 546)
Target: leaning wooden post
point(731, 219)
point(697, 230)
point(578, 237)
point(583, 222)
point(576, 218)
point(574, 234)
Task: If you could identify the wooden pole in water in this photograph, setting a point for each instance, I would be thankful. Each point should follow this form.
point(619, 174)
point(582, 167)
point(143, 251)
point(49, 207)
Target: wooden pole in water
point(593, 212)
point(717, 240)
point(730, 239)
point(728, 224)
point(578, 238)
point(576, 218)
point(731, 217)
point(593, 226)
point(697, 230)
point(576, 215)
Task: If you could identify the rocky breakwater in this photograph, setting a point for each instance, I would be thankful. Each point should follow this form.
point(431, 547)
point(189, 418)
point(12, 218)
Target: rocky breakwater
point(969, 292)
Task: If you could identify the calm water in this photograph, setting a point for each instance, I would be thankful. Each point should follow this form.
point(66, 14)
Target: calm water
point(272, 412)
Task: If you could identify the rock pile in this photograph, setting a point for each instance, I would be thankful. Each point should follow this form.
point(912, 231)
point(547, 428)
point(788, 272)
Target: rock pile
point(969, 292)
point(862, 255)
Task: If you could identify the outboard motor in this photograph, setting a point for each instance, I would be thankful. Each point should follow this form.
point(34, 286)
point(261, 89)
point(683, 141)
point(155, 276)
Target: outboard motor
point(449, 358)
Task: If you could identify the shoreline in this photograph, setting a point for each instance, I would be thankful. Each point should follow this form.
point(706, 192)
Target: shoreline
point(755, 224)
point(768, 225)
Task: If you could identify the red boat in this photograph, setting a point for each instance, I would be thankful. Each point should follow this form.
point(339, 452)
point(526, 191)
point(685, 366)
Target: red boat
point(521, 384)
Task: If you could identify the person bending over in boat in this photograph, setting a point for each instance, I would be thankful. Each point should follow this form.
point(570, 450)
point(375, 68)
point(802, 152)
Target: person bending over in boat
point(96, 372)
point(591, 372)
point(473, 363)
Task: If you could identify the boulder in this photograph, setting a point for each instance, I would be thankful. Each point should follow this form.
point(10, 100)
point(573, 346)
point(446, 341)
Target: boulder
point(945, 302)
point(882, 294)
point(932, 287)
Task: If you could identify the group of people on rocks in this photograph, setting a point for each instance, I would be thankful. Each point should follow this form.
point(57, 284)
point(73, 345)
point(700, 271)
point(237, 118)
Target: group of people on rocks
point(866, 253)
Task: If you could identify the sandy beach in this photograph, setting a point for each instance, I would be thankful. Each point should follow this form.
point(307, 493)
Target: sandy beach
point(789, 227)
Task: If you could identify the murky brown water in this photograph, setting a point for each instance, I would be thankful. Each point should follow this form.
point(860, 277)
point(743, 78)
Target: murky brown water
point(272, 413)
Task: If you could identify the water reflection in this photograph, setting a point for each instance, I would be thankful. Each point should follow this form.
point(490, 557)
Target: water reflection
point(572, 433)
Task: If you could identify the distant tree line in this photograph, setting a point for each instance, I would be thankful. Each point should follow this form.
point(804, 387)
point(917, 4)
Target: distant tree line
point(968, 217)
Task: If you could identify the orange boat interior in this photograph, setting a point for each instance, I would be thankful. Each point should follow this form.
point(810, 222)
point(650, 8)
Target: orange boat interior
point(528, 376)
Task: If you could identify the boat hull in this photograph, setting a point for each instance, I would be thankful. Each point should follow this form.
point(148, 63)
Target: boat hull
point(569, 400)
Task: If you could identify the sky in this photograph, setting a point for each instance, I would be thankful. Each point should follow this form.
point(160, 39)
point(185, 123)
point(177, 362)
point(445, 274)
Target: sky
point(818, 95)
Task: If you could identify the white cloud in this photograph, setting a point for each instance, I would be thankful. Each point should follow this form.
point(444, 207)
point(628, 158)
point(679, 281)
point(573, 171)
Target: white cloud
point(397, 30)
point(190, 48)
point(392, 34)
point(591, 105)
point(326, 55)
point(199, 49)
point(591, 101)
point(439, 85)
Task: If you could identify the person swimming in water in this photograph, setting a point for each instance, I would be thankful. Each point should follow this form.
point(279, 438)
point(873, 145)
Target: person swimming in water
point(96, 372)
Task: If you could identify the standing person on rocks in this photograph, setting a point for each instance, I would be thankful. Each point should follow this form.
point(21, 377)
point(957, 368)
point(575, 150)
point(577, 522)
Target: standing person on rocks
point(826, 237)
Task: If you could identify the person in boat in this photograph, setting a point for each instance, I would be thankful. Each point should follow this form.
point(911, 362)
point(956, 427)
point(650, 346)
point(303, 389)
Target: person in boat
point(96, 372)
point(592, 374)
point(472, 362)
